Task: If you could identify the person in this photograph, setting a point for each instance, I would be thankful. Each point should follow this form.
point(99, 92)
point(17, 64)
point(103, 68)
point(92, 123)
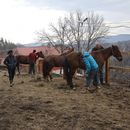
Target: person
point(91, 68)
point(101, 74)
point(32, 62)
point(10, 62)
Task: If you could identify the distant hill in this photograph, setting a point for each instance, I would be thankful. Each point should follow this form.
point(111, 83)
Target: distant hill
point(107, 39)
point(124, 45)
point(35, 44)
point(117, 38)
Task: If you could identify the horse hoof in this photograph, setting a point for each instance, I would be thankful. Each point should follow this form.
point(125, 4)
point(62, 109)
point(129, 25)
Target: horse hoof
point(74, 88)
point(11, 85)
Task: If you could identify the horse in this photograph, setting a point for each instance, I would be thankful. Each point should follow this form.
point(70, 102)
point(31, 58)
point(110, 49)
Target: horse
point(54, 61)
point(74, 60)
point(22, 59)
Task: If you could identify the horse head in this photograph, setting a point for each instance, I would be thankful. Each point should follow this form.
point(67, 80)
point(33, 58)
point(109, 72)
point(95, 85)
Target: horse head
point(40, 54)
point(116, 53)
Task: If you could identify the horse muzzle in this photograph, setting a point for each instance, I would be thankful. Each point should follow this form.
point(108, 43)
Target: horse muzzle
point(120, 58)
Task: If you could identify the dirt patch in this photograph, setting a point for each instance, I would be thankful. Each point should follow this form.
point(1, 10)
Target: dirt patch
point(32, 104)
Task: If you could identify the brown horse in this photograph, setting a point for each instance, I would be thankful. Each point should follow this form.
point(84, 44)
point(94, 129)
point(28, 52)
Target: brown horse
point(54, 61)
point(22, 59)
point(74, 60)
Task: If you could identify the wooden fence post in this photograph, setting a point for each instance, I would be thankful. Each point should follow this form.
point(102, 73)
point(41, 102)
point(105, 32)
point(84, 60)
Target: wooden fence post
point(107, 72)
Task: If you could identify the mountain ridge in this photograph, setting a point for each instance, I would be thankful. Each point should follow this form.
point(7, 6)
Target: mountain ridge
point(107, 39)
point(117, 38)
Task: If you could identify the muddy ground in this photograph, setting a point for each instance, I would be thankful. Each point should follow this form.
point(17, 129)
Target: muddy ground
point(37, 105)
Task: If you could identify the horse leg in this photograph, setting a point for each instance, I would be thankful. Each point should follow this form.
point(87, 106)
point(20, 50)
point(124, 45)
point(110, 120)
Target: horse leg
point(70, 80)
point(72, 75)
point(17, 66)
point(101, 75)
point(50, 76)
point(68, 73)
point(69, 76)
point(46, 70)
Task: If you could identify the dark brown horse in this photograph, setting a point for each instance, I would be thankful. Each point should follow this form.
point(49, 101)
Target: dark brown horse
point(22, 59)
point(74, 60)
point(54, 61)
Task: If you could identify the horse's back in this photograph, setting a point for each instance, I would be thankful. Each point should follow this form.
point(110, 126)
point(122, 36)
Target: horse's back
point(22, 59)
point(55, 60)
point(75, 60)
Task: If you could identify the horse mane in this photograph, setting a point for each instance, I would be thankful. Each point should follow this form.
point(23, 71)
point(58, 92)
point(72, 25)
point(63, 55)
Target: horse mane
point(74, 53)
point(69, 51)
point(99, 51)
point(105, 49)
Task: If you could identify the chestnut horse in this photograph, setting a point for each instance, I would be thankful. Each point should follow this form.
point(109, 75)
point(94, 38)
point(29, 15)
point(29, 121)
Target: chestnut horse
point(22, 59)
point(54, 61)
point(74, 60)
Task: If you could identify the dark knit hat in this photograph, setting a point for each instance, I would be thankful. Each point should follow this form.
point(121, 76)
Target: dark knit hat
point(34, 51)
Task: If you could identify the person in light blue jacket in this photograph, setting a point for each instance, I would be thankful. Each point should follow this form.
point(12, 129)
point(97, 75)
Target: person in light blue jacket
point(91, 69)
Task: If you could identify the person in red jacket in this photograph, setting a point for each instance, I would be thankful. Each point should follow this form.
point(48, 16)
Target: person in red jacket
point(32, 62)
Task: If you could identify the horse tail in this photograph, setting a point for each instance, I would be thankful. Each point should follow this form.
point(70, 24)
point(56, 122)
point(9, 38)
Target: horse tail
point(45, 68)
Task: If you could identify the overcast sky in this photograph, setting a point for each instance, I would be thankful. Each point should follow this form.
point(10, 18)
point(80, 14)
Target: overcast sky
point(21, 19)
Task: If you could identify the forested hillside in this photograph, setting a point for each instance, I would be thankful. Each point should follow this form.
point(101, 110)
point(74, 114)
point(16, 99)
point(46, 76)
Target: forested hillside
point(124, 45)
point(6, 45)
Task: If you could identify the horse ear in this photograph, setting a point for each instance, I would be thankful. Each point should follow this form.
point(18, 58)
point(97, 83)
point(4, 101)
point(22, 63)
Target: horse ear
point(113, 46)
point(72, 49)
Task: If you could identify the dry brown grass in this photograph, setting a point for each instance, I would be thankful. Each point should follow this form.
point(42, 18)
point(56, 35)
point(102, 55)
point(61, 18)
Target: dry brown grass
point(37, 105)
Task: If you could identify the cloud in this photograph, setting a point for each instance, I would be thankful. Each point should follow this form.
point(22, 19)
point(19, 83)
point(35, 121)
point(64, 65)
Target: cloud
point(20, 19)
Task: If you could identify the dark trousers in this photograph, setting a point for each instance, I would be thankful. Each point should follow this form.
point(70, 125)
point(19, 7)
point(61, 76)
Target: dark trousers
point(92, 77)
point(11, 72)
point(101, 73)
point(31, 68)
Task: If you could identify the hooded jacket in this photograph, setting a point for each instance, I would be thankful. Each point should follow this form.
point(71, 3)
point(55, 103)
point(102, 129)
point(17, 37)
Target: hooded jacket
point(10, 62)
point(90, 63)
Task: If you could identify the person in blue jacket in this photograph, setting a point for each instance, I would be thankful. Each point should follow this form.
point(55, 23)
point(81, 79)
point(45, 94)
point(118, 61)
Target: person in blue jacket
point(10, 62)
point(91, 70)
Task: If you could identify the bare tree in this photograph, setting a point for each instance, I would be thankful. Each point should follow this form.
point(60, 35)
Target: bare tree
point(77, 30)
point(95, 29)
point(86, 29)
point(58, 38)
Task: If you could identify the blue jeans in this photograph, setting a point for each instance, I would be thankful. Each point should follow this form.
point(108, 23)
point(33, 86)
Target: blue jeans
point(92, 77)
